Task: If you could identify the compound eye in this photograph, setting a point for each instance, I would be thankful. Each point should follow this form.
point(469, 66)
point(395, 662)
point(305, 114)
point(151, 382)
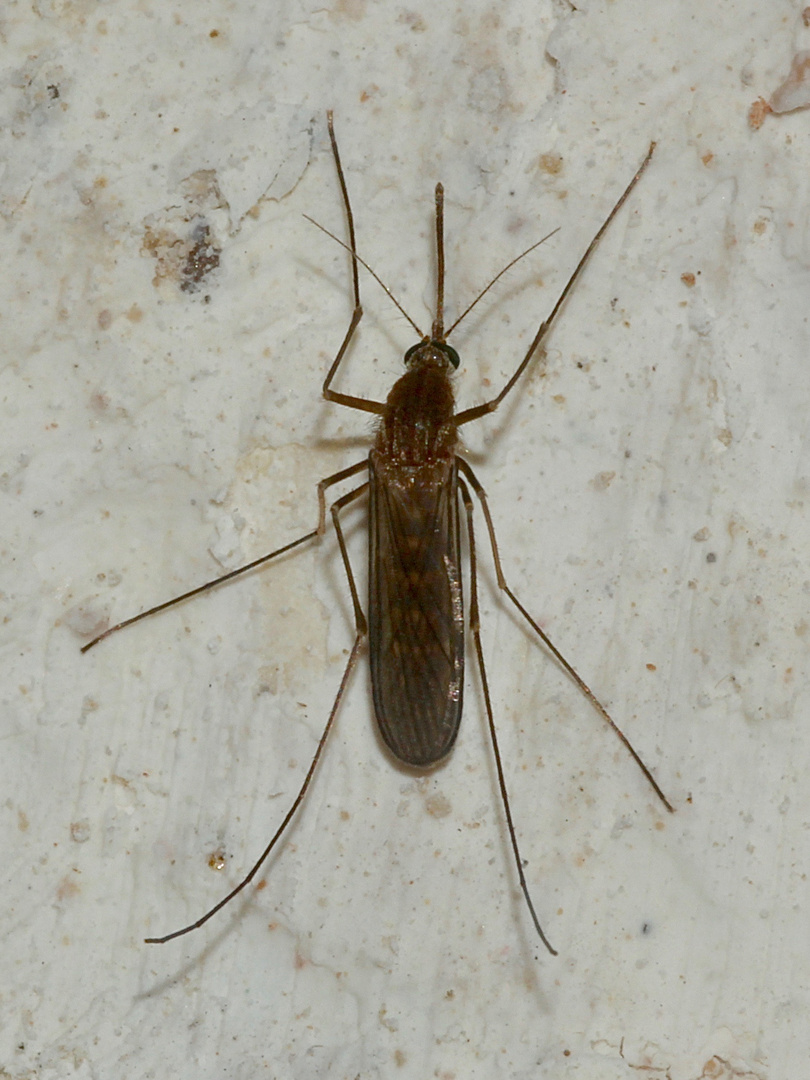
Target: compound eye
point(450, 353)
point(440, 346)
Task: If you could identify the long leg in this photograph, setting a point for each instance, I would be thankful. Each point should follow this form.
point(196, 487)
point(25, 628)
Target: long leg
point(336, 478)
point(475, 630)
point(555, 652)
point(360, 635)
point(477, 411)
point(352, 402)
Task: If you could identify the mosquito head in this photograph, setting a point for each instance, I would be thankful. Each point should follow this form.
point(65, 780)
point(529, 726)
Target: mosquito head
point(431, 352)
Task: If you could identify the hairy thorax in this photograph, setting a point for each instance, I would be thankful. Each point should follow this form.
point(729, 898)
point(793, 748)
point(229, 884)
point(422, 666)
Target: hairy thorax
point(417, 427)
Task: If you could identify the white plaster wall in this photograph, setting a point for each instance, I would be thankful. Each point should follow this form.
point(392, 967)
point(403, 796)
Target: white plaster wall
point(649, 486)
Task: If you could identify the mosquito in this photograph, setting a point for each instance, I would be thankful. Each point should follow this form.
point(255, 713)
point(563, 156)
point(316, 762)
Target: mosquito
point(417, 486)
